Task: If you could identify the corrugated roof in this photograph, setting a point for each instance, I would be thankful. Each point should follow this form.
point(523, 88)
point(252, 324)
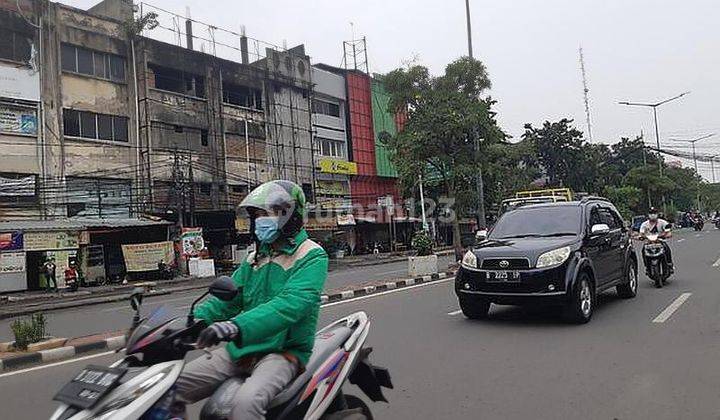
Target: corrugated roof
point(76, 224)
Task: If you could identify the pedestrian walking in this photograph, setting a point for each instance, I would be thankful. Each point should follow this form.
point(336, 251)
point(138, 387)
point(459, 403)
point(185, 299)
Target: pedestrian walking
point(49, 270)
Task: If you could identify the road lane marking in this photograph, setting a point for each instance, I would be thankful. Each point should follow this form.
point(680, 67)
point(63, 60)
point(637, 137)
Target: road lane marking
point(402, 289)
point(670, 310)
point(64, 362)
point(680, 240)
point(717, 263)
point(453, 313)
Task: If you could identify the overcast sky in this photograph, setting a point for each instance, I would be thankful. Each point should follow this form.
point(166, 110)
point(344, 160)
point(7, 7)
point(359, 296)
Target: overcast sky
point(641, 50)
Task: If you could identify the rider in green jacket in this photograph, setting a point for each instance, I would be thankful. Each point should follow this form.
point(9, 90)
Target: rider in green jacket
point(270, 326)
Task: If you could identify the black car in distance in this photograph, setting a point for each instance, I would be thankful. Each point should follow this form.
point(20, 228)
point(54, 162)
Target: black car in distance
point(561, 254)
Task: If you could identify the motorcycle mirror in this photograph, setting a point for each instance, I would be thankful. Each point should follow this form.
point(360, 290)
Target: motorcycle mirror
point(136, 298)
point(223, 288)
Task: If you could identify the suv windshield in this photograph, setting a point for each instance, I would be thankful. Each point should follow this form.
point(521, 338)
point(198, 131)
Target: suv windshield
point(538, 221)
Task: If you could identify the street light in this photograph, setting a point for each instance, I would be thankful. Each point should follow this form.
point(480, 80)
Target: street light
point(654, 107)
point(693, 141)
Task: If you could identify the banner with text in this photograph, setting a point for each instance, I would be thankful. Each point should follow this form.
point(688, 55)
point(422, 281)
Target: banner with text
point(145, 257)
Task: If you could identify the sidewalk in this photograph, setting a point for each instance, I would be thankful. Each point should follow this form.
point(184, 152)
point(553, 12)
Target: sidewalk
point(115, 340)
point(24, 303)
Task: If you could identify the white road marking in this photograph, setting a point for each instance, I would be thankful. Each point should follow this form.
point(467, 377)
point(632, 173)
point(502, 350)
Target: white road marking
point(670, 310)
point(680, 240)
point(64, 362)
point(402, 289)
point(453, 313)
point(717, 263)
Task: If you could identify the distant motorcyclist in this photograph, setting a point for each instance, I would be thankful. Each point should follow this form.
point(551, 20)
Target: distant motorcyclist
point(655, 225)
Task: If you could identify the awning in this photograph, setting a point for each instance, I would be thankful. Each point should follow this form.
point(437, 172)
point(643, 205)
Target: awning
point(76, 224)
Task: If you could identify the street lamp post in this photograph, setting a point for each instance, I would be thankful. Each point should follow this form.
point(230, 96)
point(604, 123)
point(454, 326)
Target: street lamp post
point(654, 107)
point(693, 141)
point(712, 166)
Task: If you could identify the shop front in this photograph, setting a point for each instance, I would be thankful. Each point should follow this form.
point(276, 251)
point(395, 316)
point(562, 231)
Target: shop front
point(12, 262)
point(59, 245)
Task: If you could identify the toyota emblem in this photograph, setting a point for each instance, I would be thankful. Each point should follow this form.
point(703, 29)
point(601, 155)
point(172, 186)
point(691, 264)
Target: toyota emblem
point(504, 264)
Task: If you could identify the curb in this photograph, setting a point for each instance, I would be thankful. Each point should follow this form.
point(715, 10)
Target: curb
point(60, 353)
point(118, 342)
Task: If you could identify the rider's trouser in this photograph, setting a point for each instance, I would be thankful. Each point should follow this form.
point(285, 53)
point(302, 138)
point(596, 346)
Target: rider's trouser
point(263, 381)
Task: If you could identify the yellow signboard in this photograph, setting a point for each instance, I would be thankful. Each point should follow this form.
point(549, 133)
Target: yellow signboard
point(145, 257)
point(335, 166)
point(50, 240)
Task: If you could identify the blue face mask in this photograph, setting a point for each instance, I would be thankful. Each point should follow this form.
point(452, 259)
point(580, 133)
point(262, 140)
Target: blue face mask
point(267, 229)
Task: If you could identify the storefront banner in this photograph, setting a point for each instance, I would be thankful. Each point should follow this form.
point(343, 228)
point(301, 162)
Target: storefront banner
point(20, 82)
point(346, 220)
point(17, 187)
point(11, 241)
point(332, 187)
point(12, 262)
point(336, 166)
point(17, 120)
point(192, 242)
point(145, 257)
point(45, 241)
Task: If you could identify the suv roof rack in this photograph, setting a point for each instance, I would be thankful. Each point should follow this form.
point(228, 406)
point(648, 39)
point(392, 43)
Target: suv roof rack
point(593, 198)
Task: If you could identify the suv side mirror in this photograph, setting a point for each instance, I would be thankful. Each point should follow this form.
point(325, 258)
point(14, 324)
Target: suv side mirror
point(224, 288)
point(481, 235)
point(600, 229)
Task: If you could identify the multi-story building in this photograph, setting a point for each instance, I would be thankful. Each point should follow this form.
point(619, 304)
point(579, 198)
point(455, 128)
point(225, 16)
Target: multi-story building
point(332, 158)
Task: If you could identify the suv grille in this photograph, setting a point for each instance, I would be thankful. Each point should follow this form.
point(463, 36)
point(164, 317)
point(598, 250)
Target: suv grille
point(506, 263)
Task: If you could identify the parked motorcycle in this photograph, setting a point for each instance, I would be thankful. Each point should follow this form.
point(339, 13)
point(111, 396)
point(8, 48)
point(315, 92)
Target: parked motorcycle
point(140, 385)
point(655, 259)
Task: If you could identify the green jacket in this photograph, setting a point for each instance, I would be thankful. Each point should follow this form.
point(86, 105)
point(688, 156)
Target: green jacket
point(278, 308)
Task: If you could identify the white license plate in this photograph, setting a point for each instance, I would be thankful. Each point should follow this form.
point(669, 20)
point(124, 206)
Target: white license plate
point(501, 276)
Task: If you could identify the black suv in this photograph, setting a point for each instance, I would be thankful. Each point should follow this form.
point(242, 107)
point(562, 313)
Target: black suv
point(555, 253)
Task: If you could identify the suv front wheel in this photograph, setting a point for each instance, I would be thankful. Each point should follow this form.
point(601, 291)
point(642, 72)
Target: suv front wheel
point(580, 308)
point(629, 288)
point(474, 308)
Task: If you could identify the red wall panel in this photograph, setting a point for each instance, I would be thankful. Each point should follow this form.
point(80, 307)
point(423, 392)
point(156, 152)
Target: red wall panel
point(361, 123)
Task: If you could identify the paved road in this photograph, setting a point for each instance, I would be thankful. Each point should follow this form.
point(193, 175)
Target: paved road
point(521, 364)
point(75, 322)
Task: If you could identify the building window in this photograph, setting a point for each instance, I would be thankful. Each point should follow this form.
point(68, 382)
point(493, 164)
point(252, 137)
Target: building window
point(90, 125)
point(204, 137)
point(178, 81)
point(239, 189)
point(242, 96)
point(15, 46)
point(325, 108)
point(92, 63)
point(331, 148)
point(204, 189)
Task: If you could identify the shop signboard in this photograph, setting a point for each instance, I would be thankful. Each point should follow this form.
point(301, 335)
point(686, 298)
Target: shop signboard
point(12, 262)
point(20, 82)
point(192, 242)
point(145, 257)
point(10, 241)
point(18, 120)
point(337, 166)
point(51, 240)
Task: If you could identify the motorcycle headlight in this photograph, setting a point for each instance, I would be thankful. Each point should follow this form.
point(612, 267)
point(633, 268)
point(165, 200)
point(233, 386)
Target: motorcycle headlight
point(132, 393)
point(469, 260)
point(554, 257)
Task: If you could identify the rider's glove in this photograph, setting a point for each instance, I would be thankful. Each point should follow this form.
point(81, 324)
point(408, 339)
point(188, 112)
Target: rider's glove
point(217, 332)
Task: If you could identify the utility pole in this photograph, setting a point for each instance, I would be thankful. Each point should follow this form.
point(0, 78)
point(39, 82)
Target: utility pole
point(422, 204)
point(647, 191)
point(179, 190)
point(712, 166)
point(192, 192)
point(469, 30)
point(478, 176)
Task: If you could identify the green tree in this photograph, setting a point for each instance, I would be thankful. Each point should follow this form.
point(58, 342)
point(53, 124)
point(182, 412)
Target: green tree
point(627, 199)
point(445, 116)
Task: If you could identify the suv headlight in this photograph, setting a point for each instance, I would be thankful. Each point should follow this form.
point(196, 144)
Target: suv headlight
point(469, 260)
point(554, 257)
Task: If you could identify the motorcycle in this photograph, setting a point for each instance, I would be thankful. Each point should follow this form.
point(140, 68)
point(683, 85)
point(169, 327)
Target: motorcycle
point(140, 385)
point(698, 224)
point(655, 259)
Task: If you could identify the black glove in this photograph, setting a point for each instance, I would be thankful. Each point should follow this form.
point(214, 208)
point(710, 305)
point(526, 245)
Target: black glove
point(217, 332)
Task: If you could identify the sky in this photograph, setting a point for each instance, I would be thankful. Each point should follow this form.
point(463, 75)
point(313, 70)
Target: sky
point(638, 50)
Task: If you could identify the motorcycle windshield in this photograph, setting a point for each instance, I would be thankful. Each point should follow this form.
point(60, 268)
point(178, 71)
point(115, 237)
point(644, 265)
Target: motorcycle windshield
point(157, 318)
